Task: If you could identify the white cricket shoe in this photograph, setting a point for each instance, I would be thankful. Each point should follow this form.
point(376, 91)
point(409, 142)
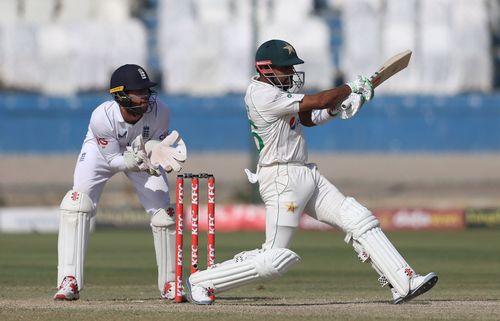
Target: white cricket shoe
point(68, 290)
point(419, 285)
point(168, 292)
point(199, 295)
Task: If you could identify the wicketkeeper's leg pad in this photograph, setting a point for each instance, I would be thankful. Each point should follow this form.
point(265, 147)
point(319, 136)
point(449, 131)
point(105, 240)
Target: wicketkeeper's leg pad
point(76, 211)
point(264, 265)
point(372, 246)
point(163, 227)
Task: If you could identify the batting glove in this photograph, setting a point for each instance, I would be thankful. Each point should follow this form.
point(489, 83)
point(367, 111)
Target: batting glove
point(351, 106)
point(362, 86)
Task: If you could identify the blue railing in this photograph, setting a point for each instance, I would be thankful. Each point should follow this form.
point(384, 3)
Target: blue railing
point(467, 123)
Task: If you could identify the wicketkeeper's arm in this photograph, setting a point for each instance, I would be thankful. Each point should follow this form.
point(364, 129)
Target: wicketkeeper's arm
point(109, 147)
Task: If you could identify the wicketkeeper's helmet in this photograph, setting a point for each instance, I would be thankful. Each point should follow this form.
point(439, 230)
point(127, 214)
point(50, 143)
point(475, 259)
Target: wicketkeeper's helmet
point(131, 77)
point(279, 53)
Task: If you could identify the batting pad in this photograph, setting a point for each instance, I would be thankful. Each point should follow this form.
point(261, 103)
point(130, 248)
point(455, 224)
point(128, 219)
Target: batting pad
point(76, 211)
point(163, 228)
point(263, 266)
point(356, 219)
point(387, 260)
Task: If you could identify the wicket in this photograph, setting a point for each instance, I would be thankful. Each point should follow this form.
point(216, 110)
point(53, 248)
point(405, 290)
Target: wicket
point(179, 225)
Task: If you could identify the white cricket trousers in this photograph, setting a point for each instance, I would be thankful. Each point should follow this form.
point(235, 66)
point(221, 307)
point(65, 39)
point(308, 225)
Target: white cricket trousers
point(291, 189)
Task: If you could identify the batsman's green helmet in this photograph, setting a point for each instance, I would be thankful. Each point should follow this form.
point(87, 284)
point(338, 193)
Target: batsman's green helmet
point(279, 52)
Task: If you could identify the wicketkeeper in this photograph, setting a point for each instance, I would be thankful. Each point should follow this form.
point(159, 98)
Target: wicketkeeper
point(289, 185)
point(128, 134)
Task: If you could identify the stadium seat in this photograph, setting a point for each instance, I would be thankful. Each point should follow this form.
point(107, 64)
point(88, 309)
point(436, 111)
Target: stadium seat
point(361, 52)
point(472, 35)
point(10, 12)
point(75, 11)
point(399, 33)
point(113, 10)
point(21, 69)
point(211, 11)
point(38, 12)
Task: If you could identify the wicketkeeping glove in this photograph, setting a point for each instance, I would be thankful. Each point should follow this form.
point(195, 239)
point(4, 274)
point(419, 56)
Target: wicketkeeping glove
point(170, 153)
point(137, 160)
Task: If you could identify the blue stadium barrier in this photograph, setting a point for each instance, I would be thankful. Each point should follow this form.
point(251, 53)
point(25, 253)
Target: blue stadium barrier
point(33, 123)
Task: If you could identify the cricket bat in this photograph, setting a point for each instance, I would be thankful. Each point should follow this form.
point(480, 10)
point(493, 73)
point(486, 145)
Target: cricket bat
point(391, 67)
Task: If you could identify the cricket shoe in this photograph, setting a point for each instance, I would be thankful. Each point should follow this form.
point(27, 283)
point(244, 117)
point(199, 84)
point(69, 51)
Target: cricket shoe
point(419, 285)
point(168, 292)
point(199, 295)
point(68, 290)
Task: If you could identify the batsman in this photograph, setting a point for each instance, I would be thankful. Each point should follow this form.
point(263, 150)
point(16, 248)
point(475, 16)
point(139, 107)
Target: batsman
point(290, 185)
point(128, 134)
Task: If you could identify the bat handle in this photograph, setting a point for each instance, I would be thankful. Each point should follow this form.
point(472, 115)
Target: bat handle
point(344, 106)
point(372, 79)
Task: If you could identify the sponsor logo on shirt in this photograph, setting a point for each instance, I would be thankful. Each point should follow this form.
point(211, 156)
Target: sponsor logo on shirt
point(102, 142)
point(122, 135)
point(293, 123)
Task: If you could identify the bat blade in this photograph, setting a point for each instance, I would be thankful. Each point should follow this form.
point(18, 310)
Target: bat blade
point(391, 67)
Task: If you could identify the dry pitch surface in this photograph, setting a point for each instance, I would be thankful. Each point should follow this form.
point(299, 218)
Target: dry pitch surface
point(242, 308)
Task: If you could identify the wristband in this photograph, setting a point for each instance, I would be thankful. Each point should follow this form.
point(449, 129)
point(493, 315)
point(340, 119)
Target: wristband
point(321, 116)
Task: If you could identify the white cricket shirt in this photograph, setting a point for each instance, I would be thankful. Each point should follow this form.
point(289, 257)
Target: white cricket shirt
point(275, 124)
point(109, 131)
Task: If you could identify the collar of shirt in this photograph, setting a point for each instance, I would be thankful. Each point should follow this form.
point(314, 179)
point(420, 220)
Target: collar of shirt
point(261, 83)
point(119, 116)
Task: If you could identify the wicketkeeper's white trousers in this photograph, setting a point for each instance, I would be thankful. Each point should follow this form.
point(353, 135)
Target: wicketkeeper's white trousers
point(92, 172)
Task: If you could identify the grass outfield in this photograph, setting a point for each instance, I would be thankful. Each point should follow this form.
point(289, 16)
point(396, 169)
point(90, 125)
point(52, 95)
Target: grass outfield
point(328, 284)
